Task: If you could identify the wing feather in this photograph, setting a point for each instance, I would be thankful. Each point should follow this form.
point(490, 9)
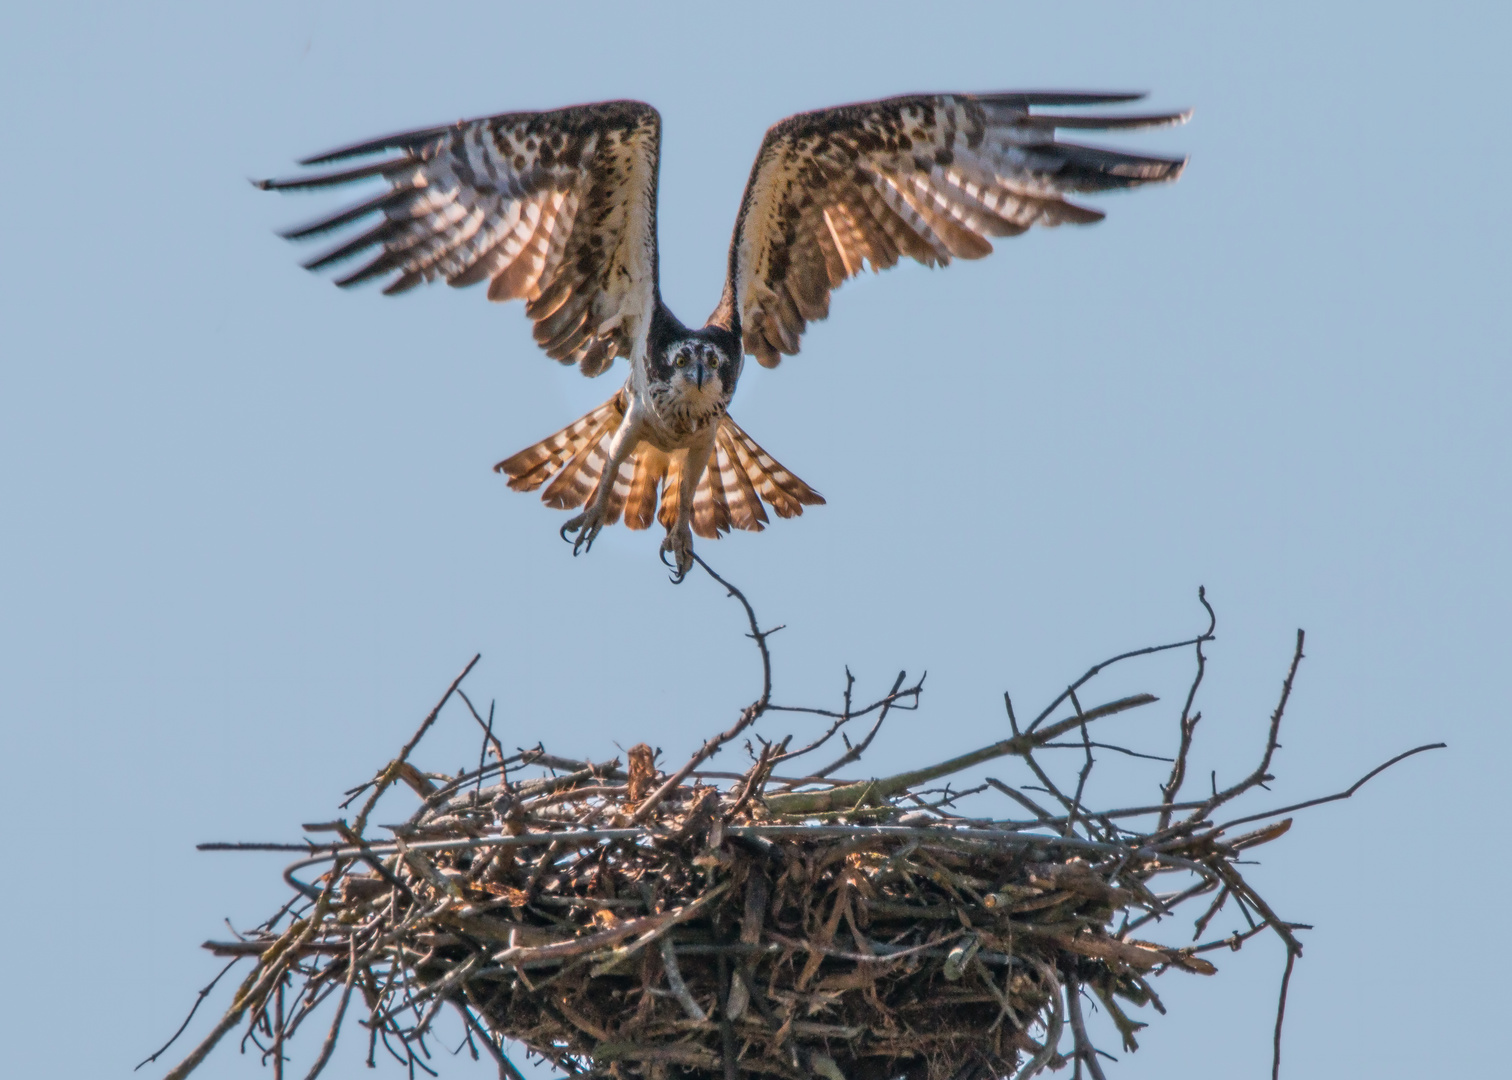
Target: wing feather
point(555, 208)
point(929, 176)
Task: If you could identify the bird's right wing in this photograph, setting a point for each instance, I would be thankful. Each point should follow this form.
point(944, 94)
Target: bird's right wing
point(555, 208)
point(930, 176)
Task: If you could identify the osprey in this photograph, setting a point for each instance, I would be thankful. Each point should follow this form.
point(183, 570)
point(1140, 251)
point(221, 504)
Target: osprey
point(559, 209)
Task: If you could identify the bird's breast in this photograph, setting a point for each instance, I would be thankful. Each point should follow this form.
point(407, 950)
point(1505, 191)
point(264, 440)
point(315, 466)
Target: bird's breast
point(678, 416)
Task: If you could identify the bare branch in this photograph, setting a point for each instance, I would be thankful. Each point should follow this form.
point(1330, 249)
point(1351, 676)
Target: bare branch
point(1346, 793)
point(1291, 959)
point(1189, 719)
point(1086, 1053)
point(855, 752)
point(750, 715)
point(198, 1001)
point(1272, 744)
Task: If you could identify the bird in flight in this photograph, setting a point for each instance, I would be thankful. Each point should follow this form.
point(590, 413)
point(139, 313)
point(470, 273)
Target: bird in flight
point(558, 209)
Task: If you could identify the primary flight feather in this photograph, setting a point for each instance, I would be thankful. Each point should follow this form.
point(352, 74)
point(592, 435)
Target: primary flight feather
point(559, 209)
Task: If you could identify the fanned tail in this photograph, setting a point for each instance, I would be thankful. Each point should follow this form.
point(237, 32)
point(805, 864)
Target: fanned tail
point(729, 494)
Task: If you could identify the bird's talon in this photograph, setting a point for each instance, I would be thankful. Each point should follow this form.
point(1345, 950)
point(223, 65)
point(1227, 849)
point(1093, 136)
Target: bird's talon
point(587, 528)
point(680, 546)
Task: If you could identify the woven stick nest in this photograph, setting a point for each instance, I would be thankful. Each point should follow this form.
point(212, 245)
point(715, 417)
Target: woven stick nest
point(616, 920)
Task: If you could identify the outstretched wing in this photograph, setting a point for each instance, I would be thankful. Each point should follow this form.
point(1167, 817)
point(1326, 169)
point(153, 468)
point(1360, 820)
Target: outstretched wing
point(555, 208)
point(930, 176)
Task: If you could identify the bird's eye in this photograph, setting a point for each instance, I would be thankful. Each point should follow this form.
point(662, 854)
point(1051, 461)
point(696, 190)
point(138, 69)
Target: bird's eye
point(682, 360)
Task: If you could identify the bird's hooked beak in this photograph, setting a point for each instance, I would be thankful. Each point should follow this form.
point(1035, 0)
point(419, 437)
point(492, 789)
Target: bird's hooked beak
point(698, 376)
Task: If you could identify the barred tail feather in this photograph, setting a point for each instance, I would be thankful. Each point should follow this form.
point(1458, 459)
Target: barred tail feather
point(729, 494)
point(671, 502)
point(746, 511)
point(711, 513)
point(621, 490)
point(534, 465)
point(580, 476)
point(739, 473)
point(650, 471)
point(787, 494)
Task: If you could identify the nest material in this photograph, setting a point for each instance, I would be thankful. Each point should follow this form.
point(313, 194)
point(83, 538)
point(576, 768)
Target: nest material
point(616, 920)
point(853, 951)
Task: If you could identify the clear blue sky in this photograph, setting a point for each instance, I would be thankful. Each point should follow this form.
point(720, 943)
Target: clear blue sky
point(250, 531)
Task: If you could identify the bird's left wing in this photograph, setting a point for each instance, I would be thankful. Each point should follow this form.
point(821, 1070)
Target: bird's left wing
point(555, 208)
point(930, 176)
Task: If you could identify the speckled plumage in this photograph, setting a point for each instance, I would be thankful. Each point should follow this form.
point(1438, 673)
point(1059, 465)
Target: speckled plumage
point(559, 209)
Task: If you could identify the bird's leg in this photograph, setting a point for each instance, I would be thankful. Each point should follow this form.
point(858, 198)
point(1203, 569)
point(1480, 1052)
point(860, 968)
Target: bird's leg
point(590, 521)
point(679, 541)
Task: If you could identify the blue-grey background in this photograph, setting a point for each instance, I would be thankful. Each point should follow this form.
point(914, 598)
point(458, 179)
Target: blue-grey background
point(249, 529)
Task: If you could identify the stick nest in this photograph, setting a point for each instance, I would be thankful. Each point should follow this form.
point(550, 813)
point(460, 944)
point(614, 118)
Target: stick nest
point(614, 919)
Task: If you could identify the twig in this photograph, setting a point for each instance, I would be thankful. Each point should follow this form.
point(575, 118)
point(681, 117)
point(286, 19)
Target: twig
point(1026, 802)
point(488, 738)
point(1086, 771)
point(842, 954)
point(841, 720)
point(854, 714)
point(1291, 959)
point(391, 772)
point(853, 753)
point(198, 1001)
point(757, 776)
point(1243, 892)
point(726, 1028)
point(1053, 1025)
point(1051, 789)
point(1188, 721)
point(507, 1070)
point(1272, 743)
point(278, 1029)
point(1103, 746)
point(1085, 1051)
point(800, 802)
point(1237, 939)
point(251, 992)
point(1096, 669)
point(335, 1031)
point(675, 982)
point(1346, 793)
point(750, 715)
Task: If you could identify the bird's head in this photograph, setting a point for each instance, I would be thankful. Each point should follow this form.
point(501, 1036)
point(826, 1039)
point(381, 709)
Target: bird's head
point(695, 378)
